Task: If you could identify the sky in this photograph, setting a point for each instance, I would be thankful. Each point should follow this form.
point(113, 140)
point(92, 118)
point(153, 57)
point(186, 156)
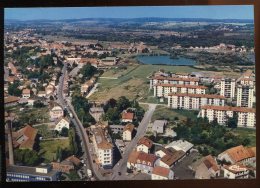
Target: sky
point(214, 12)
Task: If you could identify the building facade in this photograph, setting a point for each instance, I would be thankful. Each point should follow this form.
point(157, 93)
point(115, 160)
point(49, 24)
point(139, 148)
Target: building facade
point(246, 116)
point(193, 101)
point(227, 87)
point(162, 90)
point(245, 96)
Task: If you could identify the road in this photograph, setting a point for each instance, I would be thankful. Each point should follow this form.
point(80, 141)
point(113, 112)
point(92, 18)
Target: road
point(78, 126)
point(121, 166)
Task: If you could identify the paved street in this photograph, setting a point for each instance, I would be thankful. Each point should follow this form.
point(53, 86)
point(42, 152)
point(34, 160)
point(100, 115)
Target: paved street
point(122, 167)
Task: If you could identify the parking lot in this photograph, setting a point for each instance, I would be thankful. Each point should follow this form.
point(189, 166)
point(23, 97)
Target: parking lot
point(182, 170)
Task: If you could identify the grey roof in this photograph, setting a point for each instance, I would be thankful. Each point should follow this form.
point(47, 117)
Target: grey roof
point(28, 170)
point(160, 123)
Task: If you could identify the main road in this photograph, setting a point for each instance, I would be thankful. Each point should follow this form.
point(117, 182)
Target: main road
point(121, 166)
point(79, 127)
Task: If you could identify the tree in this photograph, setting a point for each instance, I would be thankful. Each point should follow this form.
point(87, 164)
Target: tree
point(38, 104)
point(123, 103)
point(13, 89)
point(232, 121)
point(64, 131)
point(59, 154)
point(88, 71)
point(26, 157)
point(246, 142)
point(73, 147)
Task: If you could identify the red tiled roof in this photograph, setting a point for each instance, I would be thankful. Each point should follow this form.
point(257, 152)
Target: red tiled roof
point(197, 95)
point(129, 127)
point(147, 158)
point(11, 99)
point(210, 162)
point(145, 141)
point(171, 159)
point(229, 108)
point(239, 153)
point(127, 115)
point(161, 171)
point(26, 91)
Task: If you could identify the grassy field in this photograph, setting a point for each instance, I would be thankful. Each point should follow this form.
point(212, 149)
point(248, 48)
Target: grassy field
point(49, 148)
point(246, 133)
point(165, 112)
point(134, 82)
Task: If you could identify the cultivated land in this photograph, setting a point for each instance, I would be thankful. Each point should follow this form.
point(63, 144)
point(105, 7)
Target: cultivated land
point(134, 82)
point(48, 148)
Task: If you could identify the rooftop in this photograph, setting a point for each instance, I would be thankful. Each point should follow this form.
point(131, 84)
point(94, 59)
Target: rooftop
point(182, 86)
point(161, 171)
point(236, 168)
point(127, 115)
point(229, 108)
point(180, 145)
point(175, 78)
point(28, 170)
point(129, 127)
point(145, 141)
point(101, 140)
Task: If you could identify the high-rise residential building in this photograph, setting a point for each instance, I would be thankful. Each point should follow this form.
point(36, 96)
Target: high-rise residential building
point(245, 96)
point(246, 116)
point(162, 90)
point(193, 101)
point(227, 87)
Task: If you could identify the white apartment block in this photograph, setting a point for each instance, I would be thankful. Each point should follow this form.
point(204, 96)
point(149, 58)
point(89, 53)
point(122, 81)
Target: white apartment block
point(103, 147)
point(245, 96)
point(193, 101)
point(246, 116)
point(173, 80)
point(162, 90)
point(227, 87)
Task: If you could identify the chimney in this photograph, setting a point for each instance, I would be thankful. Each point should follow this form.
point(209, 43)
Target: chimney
point(10, 142)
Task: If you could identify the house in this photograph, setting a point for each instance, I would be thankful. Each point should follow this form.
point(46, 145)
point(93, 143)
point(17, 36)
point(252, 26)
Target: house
point(109, 61)
point(116, 128)
point(50, 89)
point(144, 145)
point(182, 145)
point(56, 112)
point(67, 165)
point(207, 168)
point(24, 138)
point(141, 161)
point(238, 154)
point(169, 160)
point(30, 101)
point(103, 147)
point(236, 171)
point(96, 112)
point(11, 101)
point(161, 173)
point(127, 117)
point(159, 126)
point(162, 152)
point(26, 93)
point(61, 123)
point(41, 94)
point(128, 132)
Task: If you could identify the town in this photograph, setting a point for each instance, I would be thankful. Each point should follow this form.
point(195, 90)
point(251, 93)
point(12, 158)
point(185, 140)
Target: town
point(88, 109)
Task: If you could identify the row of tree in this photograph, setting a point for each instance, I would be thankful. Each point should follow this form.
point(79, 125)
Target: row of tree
point(203, 132)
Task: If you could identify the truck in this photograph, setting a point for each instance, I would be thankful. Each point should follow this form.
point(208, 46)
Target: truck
point(89, 173)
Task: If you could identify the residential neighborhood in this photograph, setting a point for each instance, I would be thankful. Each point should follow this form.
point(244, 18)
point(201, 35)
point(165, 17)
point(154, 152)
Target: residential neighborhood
point(129, 99)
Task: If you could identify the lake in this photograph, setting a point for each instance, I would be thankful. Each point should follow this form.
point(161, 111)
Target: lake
point(165, 60)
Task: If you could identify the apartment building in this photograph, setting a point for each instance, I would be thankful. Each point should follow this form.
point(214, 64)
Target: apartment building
point(193, 101)
point(246, 116)
point(173, 80)
point(162, 90)
point(245, 96)
point(227, 87)
point(103, 147)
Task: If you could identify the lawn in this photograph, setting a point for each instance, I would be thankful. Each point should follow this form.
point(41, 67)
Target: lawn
point(246, 133)
point(48, 148)
point(133, 83)
point(163, 112)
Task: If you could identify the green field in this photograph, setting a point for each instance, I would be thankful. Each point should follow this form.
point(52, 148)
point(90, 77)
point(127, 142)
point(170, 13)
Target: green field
point(163, 112)
point(48, 148)
point(246, 133)
point(133, 83)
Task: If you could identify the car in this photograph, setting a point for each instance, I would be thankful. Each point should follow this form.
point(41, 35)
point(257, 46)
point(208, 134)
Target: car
point(119, 173)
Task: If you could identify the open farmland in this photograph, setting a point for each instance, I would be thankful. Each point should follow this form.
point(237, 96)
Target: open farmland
point(134, 82)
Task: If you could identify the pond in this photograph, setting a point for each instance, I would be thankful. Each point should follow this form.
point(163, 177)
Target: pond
point(165, 60)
